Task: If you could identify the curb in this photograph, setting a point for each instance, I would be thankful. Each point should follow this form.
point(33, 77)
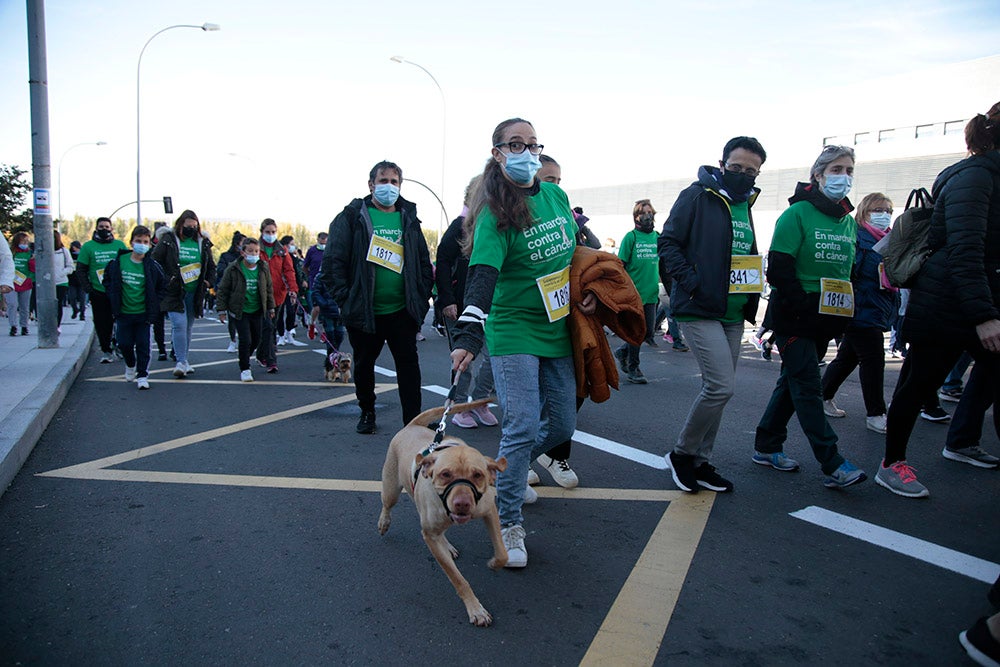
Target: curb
point(33, 414)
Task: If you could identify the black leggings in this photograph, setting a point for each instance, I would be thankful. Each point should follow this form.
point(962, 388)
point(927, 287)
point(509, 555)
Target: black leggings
point(248, 329)
point(860, 348)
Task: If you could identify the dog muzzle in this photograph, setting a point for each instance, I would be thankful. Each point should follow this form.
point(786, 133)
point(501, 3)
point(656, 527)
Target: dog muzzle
point(448, 489)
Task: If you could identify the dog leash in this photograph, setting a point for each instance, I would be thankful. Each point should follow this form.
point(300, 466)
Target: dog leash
point(449, 402)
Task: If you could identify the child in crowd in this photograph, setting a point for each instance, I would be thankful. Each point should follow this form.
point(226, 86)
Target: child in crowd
point(245, 294)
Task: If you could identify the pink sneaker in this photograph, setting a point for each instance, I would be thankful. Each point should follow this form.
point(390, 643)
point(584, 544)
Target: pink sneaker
point(486, 418)
point(464, 420)
point(667, 338)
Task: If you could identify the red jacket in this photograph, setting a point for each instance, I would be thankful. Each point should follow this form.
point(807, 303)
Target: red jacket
point(282, 271)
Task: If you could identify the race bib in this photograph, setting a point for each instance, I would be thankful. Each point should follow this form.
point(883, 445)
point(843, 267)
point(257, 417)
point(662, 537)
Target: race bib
point(190, 272)
point(746, 274)
point(19, 277)
point(836, 297)
point(555, 294)
point(386, 253)
point(100, 275)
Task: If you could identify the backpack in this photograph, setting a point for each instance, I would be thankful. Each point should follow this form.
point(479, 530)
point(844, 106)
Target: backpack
point(908, 244)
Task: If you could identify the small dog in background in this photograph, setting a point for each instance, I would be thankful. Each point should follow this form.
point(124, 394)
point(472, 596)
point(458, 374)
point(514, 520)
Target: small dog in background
point(338, 366)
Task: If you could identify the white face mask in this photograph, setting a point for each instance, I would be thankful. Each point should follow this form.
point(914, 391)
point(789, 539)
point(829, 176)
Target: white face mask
point(880, 220)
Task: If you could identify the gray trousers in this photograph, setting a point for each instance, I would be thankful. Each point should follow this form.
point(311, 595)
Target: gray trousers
point(716, 346)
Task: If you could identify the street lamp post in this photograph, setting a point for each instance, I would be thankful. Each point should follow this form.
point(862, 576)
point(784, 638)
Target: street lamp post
point(207, 27)
point(444, 123)
point(85, 143)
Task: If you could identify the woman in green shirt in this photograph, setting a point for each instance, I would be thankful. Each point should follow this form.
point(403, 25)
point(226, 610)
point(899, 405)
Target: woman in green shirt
point(18, 301)
point(523, 238)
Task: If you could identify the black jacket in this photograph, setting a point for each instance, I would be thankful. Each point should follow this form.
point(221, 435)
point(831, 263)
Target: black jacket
point(350, 278)
point(156, 285)
point(695, 247)
point(791, 311)
point(167, 253)
point(452, 267)
point(225, 259)
point(958, 286)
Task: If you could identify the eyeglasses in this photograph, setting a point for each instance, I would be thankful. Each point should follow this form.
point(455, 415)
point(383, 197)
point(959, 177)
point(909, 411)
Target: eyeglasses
point(518, 147)
point(882, 210)
point(737, 169)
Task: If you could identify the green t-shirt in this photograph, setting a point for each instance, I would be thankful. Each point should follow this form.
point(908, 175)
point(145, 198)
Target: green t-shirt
point(21, 261)
point(638, 252)
point(95, 256)
point(518, 322)
point(251, 301)
point(268, 249)
point(742, 243)
point(133, 286)
point(190, 261)
point(390, 290)
point(823, 246)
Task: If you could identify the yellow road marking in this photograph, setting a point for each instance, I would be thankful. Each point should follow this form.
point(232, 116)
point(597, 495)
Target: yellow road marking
point(633, 630)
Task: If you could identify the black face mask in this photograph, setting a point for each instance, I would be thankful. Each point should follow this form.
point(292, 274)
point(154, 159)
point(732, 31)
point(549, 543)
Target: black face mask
point(104, 235)
point(190, 232)
point(645, 223)
point(737, 183)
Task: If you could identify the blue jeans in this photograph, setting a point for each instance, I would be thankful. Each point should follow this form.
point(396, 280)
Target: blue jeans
point(181, 325)
point(954, 379)
point(538, 399)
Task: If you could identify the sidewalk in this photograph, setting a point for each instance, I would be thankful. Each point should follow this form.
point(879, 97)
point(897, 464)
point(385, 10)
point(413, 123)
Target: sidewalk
point(34, 384)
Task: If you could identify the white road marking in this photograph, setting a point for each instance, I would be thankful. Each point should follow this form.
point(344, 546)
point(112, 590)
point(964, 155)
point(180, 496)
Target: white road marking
point(949, 559)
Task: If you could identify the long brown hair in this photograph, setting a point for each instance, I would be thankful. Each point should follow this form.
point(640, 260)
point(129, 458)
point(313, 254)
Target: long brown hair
point(982, 133)
point(188, 214)
point(15, 240)
point(505, 200)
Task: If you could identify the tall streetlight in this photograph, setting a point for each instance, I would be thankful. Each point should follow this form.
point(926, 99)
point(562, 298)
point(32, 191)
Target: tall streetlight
point(85, 143)
point(444, 121)
point(207, 27)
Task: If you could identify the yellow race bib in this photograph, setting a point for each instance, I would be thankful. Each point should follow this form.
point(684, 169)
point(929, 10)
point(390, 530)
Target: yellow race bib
point(386, 253)
point(746, 274)
point(190, 272)
point(836, 297)
point(555, 294)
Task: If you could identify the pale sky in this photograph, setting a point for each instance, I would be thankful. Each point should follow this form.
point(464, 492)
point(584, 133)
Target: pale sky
point(283, 112)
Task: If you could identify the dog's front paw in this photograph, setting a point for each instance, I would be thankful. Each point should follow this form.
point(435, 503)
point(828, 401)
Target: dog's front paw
point(384, 519)
point(478, 615)
point(497, 562)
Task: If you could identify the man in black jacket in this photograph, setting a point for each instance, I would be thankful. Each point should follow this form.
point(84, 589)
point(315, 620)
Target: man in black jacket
point(376, 266)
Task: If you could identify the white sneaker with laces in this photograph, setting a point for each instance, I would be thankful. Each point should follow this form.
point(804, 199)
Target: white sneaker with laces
point(513, 539)
point(232, 347)
point(560, 471)
point(876, 423)
point(830, 409)
point(533, 477)
point(246, 376)
point(130, 373)
point(188, 368)
point(179, 371)
point(282, 340)
point(290, 336)
point(142, 383)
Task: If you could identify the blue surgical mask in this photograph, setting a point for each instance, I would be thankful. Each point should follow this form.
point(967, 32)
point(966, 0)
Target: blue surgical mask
point(291, 247)
point(386, 194)
point(880, 220)
point(23, 246)
point(320, 246)
point(837, 186)
point(140, 248)
point(251, 259)
point(269, 238)
point(522, 167)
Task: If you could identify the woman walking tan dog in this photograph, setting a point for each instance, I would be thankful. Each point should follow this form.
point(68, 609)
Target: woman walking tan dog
point(450, 483)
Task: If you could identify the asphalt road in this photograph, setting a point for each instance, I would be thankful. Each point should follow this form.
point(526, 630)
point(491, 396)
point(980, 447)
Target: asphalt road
point(211, 522)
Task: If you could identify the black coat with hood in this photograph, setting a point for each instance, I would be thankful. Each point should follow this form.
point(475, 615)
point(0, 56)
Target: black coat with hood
point(167, 253)
point(156, 284)
point(791, 311)
point(350, 277)
point(958, 287)
point(695, 248)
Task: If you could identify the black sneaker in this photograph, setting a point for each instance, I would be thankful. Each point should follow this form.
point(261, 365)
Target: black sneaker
point(936, 414)
point(711, 480)
point(951, 394)
point(636, 377)
point(24, 331)
point(366, 424)
point(682, 471)
point(173, 357)
point(13, 331)
point(162, 356)
point(651, 341)
point(980, 645)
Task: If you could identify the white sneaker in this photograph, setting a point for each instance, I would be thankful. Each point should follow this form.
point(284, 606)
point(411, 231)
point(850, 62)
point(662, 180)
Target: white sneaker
point(142, 383)
point(232, 347)
point(188, 368)
point(107, 358)
point(282, 340)
point(876, 423)
point(179, 371)
point(246, 376)
point(530, 495)
point(532, 477)
point(560, 471)
point(297, 343)
point(830, 409)
point(513, 539)
point(130, 373)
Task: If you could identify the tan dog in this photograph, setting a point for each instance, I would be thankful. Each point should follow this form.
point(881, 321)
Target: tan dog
point(450, 485)
point(338, 367)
